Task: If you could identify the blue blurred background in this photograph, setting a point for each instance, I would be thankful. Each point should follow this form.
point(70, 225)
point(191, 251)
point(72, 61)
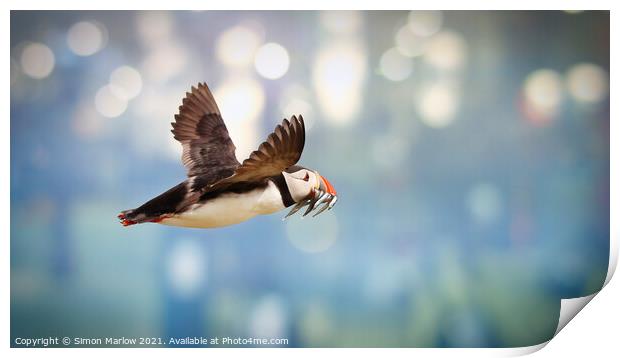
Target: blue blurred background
point(470, 151)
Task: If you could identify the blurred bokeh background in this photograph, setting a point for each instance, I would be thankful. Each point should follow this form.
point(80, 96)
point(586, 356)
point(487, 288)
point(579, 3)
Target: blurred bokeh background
point(470, 151)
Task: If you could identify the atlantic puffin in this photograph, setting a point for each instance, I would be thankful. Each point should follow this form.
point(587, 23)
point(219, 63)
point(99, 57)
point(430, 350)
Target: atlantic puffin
point(220, 191)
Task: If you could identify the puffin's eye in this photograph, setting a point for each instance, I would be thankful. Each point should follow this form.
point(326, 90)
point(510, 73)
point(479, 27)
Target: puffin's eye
point(307, 177)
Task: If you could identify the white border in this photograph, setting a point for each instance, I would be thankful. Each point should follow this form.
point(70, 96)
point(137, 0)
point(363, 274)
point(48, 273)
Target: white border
point(601, 322)
point(329, 5)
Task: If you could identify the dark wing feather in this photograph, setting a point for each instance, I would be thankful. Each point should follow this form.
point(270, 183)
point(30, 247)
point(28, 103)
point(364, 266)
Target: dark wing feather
point(207, 148)
point(281, 150)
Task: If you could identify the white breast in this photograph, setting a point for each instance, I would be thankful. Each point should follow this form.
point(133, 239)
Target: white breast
point(229, 209)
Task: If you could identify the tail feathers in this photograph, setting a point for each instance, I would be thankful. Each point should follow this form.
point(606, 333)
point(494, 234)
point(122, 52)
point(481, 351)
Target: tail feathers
point(133, 216)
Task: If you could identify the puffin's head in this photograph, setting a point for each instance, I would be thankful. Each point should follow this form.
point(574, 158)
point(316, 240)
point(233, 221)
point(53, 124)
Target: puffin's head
point(308, 187)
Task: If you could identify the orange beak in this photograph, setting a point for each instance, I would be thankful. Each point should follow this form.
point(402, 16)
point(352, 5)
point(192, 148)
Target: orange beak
point(326, 186)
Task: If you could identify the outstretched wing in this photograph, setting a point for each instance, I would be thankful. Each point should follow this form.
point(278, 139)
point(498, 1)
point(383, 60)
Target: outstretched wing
point(207, 147)
point(281, 150)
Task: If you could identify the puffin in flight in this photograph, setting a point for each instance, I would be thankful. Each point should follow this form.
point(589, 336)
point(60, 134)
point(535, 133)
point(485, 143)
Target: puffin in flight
point(220, 191)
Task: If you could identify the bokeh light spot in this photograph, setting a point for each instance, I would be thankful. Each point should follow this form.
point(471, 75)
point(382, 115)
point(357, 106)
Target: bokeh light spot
point(268, 318)
point(86, 38)
point(154, 27)
point(241, 99)
point(542, 91)
point(165, 61)
point(341, 22)
point(37, 60)
point(271, 61)
point(425, 22)
point(186, 268)
point(241, 102)
point(408, 43)
point(237, 46)
point(394, 66)
point(446, 50)
point(438, 104)
point(109, 104)
point(338, 77)
point(587, 83)
point(126, 82)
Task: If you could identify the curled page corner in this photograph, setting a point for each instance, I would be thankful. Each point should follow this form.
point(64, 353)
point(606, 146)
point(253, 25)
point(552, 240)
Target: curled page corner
point(570, 307)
